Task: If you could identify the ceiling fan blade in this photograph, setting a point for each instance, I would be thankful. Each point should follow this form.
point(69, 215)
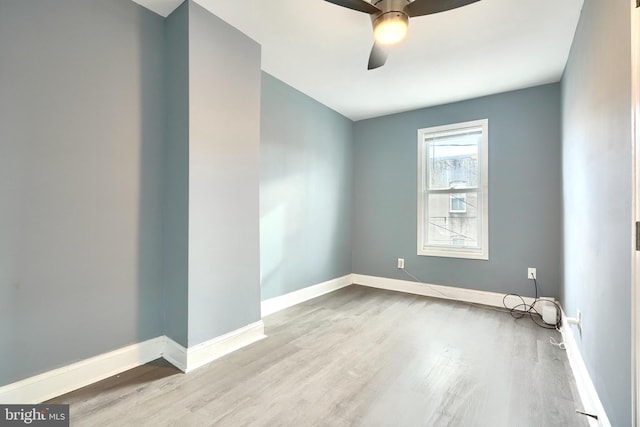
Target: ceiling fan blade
point(359, 5)
point(378, 57)
point(427, 7)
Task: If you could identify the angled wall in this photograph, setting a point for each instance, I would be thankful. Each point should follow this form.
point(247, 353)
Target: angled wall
point(305, 190)
point(176, 176)
point(597, 177)
point(129, 155)
point(212, 147)
point(224, 159)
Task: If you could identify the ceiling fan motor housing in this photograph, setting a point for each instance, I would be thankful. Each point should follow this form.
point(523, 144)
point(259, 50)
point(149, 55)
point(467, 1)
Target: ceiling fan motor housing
point(391, 23)
point(390, 19)
point(390, 10)
point(386, 6)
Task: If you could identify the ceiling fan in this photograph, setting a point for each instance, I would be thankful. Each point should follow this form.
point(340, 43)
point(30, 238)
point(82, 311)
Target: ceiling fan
point(390, 19)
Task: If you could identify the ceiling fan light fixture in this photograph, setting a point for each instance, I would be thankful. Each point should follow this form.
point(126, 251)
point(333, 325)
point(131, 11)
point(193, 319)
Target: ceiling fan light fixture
point(391, 28)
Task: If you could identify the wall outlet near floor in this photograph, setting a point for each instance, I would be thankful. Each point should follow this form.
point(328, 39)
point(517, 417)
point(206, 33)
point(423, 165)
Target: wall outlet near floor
point(580, 321)
point(531, 273)
point(400, 262)
point(576, 321)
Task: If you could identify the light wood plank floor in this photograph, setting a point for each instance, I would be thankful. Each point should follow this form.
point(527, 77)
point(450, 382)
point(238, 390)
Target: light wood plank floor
point(356, 357)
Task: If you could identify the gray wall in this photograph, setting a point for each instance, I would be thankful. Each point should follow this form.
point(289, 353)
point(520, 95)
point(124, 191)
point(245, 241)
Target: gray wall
point(224, 157)
point(597, 156)
point(81, 127)
point(305, 190)
point(176, 176)
point(524, 194)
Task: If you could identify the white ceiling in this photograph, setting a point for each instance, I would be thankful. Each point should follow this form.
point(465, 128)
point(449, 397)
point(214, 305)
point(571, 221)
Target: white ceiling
point(322, 50)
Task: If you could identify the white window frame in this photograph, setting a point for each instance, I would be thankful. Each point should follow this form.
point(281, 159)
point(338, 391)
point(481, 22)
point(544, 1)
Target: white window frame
point(451, 251)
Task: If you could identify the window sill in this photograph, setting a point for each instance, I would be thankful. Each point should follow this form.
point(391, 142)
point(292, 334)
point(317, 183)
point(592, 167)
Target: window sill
point(453, 253)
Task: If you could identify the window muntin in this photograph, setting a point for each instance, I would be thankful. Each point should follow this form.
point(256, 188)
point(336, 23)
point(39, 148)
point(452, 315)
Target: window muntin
point(453, 190)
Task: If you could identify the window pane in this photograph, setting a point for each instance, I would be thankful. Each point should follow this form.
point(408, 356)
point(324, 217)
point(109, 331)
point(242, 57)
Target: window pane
point(452, 160)
point(458, 203)
point(445, 227)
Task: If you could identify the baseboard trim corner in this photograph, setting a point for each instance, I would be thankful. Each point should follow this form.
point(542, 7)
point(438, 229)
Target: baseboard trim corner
point(63, 380)
point(59, 381)
point(174, 353)
point(273, 305)
point(208, 351)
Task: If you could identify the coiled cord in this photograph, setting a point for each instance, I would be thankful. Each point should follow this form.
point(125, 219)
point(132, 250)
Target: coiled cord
point(520, 310)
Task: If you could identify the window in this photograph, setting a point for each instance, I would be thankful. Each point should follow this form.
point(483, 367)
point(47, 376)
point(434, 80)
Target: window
point(458, 203)
point(453, 193)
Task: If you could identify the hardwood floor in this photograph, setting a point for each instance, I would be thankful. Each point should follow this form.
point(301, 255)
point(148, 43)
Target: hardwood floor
point(356, 357)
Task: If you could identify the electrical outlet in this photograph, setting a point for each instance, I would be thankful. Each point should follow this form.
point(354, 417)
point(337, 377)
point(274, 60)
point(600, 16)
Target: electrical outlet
point(400, 262)
point(531, 273)
point(576, 321)
point(580, 321)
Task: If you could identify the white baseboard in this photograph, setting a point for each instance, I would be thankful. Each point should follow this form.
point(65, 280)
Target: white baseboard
point(208, 351)
point(175, 354)
point(588, 395)
point(438, 291)
point(59, 381)
point(71, 377)
point(276, 304)
point(63, 380)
